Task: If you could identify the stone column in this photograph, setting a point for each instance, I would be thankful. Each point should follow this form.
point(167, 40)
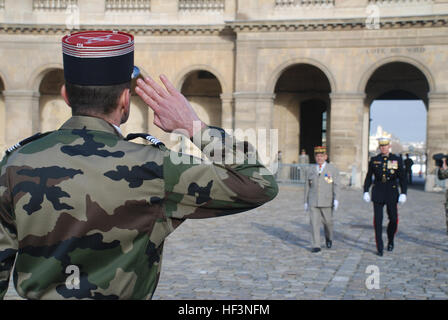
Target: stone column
point(346, 136)
point(227, 112)
point(436, 133)
point(254, 113)
point(21, 115)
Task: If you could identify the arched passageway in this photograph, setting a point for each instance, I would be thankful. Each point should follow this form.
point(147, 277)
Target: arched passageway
point(301, 109)
point(401, 90)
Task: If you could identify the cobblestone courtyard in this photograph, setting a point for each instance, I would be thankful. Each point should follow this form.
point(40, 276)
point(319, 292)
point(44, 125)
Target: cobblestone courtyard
point(265, 253)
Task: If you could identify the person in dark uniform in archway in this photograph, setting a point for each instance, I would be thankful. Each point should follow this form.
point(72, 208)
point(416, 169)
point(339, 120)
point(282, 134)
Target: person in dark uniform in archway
point(408, 163)
point(389, 174)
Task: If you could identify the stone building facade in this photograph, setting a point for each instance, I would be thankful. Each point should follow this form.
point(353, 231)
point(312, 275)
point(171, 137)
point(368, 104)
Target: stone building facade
point(308, 68)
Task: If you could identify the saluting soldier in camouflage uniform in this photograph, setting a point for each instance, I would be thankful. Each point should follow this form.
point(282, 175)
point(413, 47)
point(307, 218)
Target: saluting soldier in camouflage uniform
point(443, 174)
point(84, 212)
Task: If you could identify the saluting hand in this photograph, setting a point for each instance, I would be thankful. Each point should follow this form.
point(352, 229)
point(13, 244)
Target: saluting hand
point(172, 111)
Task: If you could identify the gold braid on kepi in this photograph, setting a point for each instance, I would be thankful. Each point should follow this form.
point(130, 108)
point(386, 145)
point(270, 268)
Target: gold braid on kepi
point(320, 149)
point(383, 141)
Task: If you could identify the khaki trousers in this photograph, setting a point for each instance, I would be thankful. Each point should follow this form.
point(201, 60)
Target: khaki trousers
point(320, 216)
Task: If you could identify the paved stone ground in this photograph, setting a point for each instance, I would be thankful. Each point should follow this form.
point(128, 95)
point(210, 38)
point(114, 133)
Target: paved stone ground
point(265, 253)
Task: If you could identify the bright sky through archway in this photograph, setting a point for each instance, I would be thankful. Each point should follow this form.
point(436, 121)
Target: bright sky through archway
point(405, 119)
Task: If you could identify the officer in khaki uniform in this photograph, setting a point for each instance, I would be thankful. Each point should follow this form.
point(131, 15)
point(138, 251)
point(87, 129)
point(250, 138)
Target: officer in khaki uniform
point(321, 197)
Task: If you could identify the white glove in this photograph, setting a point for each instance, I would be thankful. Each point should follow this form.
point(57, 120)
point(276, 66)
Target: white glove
point(335, 204)
point(402, 198)
point(306, 206)
point(366, 197)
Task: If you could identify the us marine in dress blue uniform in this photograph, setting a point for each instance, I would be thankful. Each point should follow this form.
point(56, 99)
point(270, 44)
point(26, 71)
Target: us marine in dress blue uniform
point(389, 176)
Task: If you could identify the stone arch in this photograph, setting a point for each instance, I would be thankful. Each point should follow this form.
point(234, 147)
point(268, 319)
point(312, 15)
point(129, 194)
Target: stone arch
point(3, 81)
point(301, 108)
point(281, 68)
point(375, 66)
point(183, 75)
point(203, 89)
point(53, 111)
point(395, 78)
point(39, 73)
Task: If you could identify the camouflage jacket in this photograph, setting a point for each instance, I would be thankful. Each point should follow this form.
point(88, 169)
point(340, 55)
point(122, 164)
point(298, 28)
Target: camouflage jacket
point(442, 175)
point(82, 203)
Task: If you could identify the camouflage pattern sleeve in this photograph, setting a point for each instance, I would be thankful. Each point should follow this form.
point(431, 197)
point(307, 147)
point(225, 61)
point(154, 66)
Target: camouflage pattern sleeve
point(8, 234)
point(442, 174)
point(231, 180)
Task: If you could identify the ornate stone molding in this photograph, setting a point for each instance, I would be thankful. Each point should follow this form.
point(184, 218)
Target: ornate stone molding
point(128, 5)
point(389, 3)
point(238, 26)
point(347, 96)
point(336, 24)
point(258, 96)
point(53, 5)
point(287, 4)
point(438, 96)
point(21, 94)
point(201, 5)
point(163, 30)
point(226, 97)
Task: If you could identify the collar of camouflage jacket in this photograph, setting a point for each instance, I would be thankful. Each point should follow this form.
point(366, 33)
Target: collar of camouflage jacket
point(90, 123)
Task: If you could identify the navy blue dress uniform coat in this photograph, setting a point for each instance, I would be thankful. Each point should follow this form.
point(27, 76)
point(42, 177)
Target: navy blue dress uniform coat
point(389, 174)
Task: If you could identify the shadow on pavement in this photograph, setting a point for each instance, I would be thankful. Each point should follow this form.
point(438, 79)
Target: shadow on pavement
point(430, 244)
point(291, 238)
point(283, 235)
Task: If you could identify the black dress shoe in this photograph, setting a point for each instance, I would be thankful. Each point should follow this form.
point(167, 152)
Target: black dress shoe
point(329, 244)
point(390, 246)
point(314, 250)
point(380, 253)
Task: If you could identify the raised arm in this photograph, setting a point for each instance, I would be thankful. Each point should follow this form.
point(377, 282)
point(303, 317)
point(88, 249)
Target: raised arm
point(232, 181)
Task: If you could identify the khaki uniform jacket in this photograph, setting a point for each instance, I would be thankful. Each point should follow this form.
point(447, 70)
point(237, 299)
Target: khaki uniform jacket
point(321, 190)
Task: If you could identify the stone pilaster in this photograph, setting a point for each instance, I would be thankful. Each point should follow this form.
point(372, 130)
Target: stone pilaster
point(21, 115)
point(254, 113)
point(227, 111)
point(436, 133)
point(347, 144)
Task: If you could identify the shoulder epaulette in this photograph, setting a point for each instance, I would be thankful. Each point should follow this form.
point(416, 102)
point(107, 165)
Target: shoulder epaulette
point(145, 136)
point(25, 141)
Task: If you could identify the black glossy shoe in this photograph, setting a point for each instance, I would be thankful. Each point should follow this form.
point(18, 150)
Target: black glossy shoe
point(329, 243)
point(380, 253)
point(390, 246)
point(314, 250)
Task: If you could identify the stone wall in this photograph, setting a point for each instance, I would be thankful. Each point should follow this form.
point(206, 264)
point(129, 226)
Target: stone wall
point(247, 46)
